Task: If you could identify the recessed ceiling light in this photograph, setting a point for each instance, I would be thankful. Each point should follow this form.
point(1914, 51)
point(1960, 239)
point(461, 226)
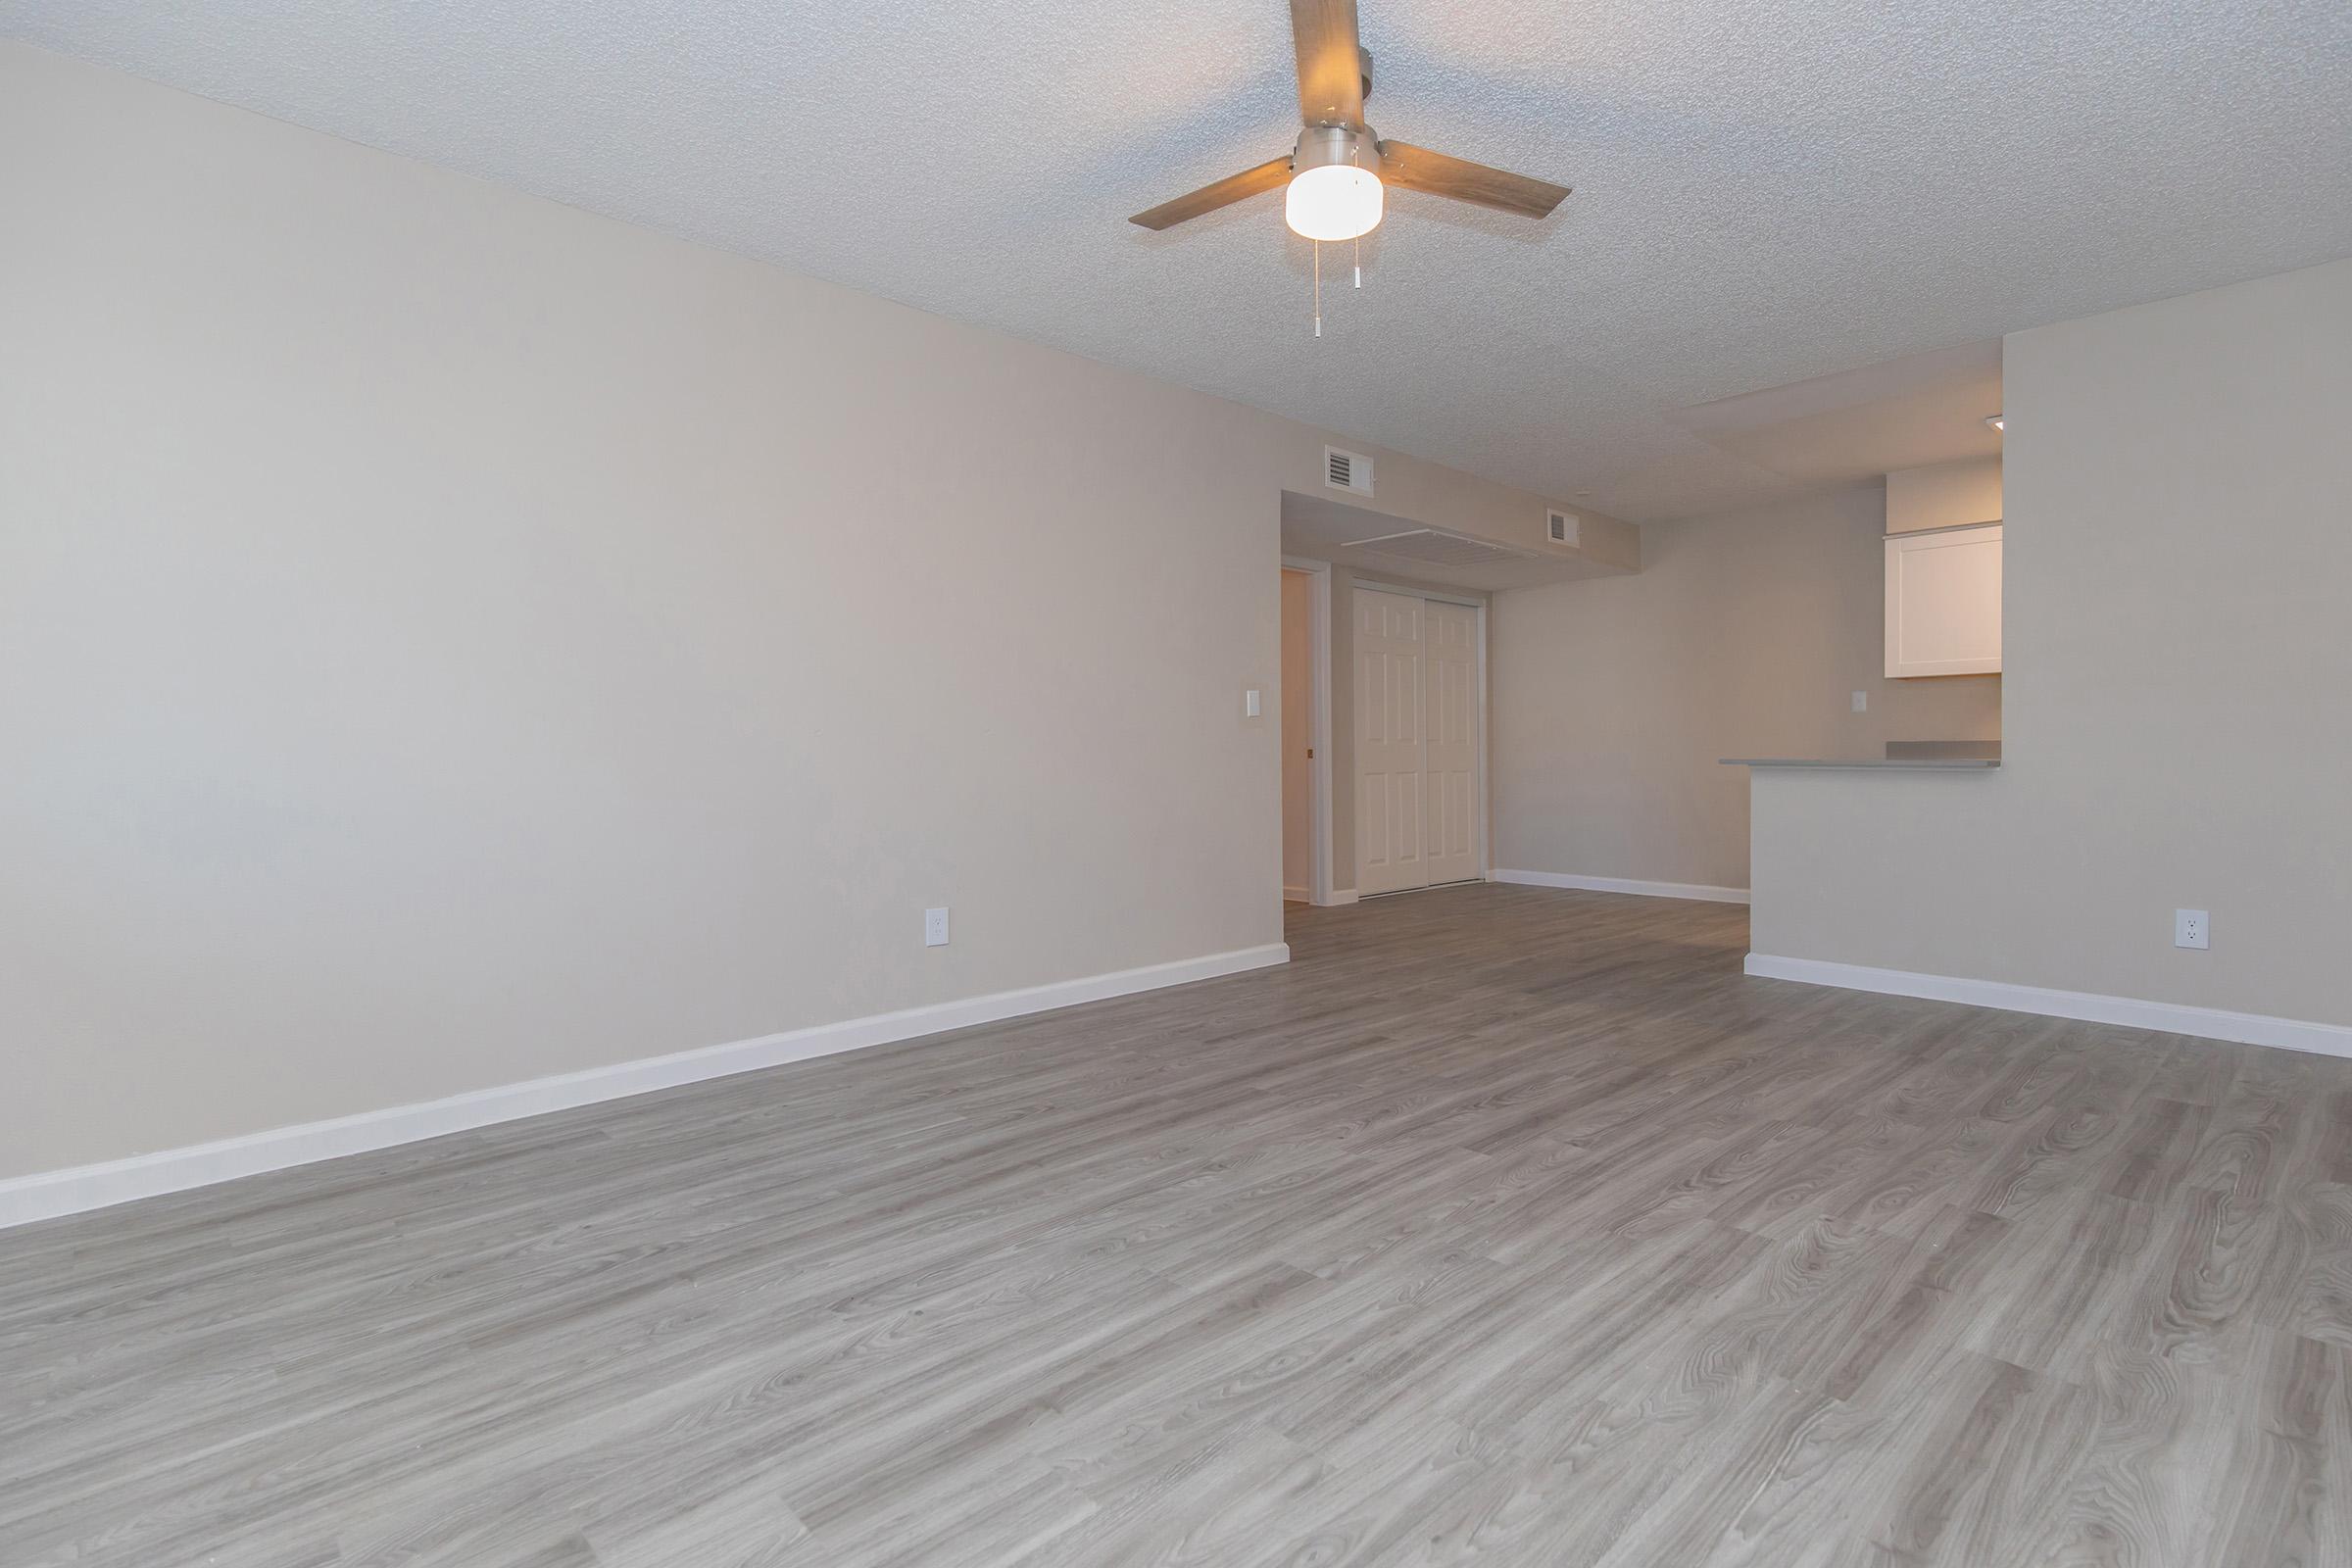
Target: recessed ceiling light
point(1995, 420)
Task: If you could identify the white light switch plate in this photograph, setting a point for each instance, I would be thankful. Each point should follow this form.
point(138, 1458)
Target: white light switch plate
point(1861, 702)
point(2190, 929)
point(934, 928)
point(1254, 703)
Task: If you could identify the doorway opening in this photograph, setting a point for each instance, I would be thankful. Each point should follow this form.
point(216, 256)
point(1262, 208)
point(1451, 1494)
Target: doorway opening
point(1305, 709)
point(1297, 738)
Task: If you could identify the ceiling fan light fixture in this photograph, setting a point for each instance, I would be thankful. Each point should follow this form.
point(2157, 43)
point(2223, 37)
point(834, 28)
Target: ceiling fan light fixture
point(1334, 201)
point(1334, 193)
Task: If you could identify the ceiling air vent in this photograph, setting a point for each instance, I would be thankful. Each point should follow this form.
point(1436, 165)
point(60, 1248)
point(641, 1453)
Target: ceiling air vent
point(1562, 527)
point(1348, 470)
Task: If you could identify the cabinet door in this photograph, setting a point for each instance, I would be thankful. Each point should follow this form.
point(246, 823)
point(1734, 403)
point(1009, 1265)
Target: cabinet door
point(1944, 601)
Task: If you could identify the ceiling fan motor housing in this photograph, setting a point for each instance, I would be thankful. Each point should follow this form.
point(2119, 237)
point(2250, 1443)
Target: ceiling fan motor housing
point(1322, 145)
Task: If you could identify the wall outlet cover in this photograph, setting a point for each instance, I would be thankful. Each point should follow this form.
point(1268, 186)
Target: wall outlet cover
point(934, 928)
point(2191, 928)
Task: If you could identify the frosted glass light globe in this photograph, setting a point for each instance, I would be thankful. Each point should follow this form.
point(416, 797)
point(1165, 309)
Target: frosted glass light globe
point(1334, 201)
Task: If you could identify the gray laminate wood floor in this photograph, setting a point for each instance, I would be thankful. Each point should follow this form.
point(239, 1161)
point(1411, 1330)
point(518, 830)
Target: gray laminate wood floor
point(1506, 1226)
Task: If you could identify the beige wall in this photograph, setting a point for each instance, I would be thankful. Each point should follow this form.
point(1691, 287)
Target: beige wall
point(1298, 735)
point(446, 638)
point(2177, 660)
point(1745, 634)
point(1944, 495)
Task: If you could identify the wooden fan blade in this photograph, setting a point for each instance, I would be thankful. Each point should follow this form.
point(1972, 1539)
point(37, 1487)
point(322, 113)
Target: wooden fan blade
point(1420, 169)
point(1224, 193)
point(1331, 63)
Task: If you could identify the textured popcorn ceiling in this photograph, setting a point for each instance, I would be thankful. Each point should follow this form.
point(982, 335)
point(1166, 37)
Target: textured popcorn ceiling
point(1766, 190)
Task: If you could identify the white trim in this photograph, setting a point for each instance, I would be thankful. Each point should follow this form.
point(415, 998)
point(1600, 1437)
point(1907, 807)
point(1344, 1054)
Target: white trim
point(2168, 1017)
point(1318, 805)
point(46, 1195)
point(1619, 884)
point(1340, 896)
point(1291, 895)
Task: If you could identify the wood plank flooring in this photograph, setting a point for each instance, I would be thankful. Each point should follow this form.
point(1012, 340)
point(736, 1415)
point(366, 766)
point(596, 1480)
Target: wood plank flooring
point(1506, 1225)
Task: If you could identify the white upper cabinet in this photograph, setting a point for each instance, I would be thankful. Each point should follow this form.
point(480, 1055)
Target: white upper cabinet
point(1944, 601)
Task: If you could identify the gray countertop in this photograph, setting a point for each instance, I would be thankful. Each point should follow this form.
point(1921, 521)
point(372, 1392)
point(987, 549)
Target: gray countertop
point(1936, 755)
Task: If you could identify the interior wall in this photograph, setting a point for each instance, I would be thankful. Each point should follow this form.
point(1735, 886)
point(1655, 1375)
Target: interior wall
point(1297, 736)
point(1745, 634)
point(448, 638)
point(2177, 657)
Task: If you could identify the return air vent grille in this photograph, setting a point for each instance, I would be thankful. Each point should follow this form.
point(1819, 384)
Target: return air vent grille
point(1348, 470)
point(1562, 527)
point(1433, 546)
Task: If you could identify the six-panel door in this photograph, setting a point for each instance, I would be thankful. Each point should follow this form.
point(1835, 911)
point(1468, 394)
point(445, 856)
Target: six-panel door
point(1450, 779)
point(1390, 810)
point(1418, 795)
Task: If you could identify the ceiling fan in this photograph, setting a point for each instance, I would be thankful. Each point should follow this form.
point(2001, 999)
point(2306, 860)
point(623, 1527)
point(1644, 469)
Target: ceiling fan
point(1336, 173)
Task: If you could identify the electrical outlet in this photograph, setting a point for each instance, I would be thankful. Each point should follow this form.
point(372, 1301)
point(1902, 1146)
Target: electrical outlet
point(2190, 930)
point(934, 928)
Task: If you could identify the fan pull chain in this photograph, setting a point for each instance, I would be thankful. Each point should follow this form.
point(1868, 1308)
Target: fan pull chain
point(1318, 288)
point(1356, 156)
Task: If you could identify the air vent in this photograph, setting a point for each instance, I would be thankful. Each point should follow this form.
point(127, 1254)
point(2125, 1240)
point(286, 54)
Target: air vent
point(1562, 527)
point(1348, 470)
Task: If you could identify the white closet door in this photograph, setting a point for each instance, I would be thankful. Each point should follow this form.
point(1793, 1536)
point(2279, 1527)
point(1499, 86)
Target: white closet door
point(1449, 724)
point(1392, 809)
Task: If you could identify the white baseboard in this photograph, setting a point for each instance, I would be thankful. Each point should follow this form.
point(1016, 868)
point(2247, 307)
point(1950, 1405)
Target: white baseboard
point(46, 1195)
point(2170, 1017)
point(1340, 896)
point(1619, 884)
point(1290, 895)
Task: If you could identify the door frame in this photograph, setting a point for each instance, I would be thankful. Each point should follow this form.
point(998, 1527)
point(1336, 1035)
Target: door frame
point(1318, 680)
point(1485, 727)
